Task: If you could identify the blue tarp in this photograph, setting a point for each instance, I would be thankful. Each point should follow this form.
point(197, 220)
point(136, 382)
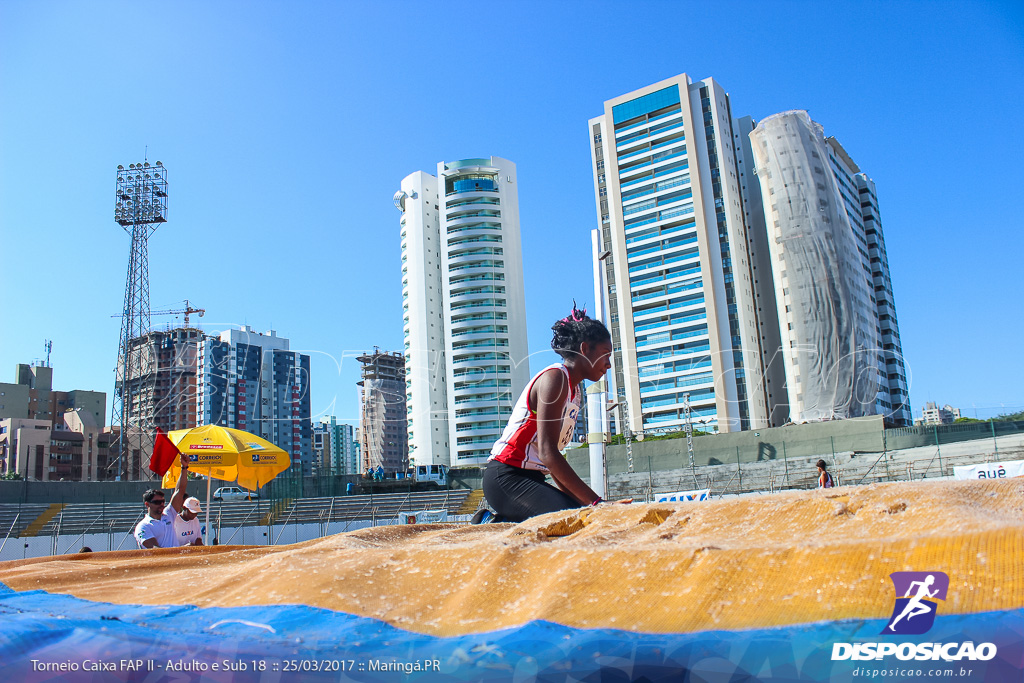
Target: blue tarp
point(50, 637)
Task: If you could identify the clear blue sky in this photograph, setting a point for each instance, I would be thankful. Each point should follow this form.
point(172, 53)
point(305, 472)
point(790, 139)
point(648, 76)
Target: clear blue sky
point(286, 128)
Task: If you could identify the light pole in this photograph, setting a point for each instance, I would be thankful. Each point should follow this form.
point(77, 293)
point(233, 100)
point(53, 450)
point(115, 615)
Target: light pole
point(140, 207)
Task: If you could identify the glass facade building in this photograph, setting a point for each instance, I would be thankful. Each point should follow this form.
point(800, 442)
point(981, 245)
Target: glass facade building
point(674, 249)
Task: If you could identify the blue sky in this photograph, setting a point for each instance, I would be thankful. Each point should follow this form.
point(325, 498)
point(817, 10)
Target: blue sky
point(287, 127)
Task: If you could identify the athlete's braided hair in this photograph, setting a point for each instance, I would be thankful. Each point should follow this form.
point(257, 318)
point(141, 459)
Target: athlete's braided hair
point(575, 329)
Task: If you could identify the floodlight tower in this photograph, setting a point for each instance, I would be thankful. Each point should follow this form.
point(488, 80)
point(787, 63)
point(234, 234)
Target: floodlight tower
point(140, 208)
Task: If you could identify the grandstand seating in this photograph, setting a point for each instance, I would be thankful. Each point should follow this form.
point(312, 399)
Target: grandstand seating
point(95, 518)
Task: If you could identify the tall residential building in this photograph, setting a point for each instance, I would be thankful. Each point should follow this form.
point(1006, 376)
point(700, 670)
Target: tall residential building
point(423, 320)
point(335, 449)
point(829, 297)
point(465, 311)
point(897, 403)
point(772, 360)
point(383, 436)
point(164, 394)
point(254, 382)
point(674, 244)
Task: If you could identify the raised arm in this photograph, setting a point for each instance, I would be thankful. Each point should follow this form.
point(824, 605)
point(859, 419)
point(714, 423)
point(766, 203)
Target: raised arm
point(548, 396)
point(178, 499)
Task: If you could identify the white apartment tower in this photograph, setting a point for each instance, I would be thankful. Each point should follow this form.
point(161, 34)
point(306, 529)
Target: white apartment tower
point(423, 320)
point(464, 308)
point(674, 246)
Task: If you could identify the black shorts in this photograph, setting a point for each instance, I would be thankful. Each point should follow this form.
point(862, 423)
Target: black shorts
point(518, 494)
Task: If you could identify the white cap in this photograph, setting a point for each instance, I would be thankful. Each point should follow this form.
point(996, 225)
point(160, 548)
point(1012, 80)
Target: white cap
point(193, 505)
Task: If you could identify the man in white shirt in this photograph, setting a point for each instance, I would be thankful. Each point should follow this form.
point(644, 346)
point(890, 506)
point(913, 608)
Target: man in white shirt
point(187, 529)
point(156, 528)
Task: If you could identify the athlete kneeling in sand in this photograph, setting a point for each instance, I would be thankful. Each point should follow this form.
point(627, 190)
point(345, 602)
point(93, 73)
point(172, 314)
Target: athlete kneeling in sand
point(542, 424)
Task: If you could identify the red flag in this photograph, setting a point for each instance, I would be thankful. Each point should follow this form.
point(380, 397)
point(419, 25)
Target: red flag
point(164, 453)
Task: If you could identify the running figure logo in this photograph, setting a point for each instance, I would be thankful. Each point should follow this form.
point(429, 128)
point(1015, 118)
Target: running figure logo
point(916, 596)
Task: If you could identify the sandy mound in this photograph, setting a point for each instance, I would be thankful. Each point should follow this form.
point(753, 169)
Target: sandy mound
point(740, 563)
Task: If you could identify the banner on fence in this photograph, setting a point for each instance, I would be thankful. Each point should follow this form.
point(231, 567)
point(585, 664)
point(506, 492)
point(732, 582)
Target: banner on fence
point(682, 496)
point(423, 517)
point(990, 470)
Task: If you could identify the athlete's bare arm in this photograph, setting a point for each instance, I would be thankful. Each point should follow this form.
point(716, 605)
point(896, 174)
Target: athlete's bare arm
point(548, 399)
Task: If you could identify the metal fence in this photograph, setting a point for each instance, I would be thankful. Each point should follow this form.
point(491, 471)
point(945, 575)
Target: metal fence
point(747, 475)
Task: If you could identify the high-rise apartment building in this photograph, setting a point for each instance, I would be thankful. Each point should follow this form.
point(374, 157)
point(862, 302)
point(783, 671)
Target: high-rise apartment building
point(335, 448)
point(383, 424)
point(423, 319)
point(772, 361)
point(674, 246)
point(830, 287)
point(896, 405)
point(252, 381)
point(164, 394)
point(464, 307)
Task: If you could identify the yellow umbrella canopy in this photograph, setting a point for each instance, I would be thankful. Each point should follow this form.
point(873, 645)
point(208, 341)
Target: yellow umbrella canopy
point(227, 454)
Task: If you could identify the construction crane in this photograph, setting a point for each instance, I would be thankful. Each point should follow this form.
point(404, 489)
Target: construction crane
point(187, 311)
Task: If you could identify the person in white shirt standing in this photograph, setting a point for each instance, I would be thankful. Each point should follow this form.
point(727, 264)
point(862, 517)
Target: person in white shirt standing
point(156, 528)
point(187, 529)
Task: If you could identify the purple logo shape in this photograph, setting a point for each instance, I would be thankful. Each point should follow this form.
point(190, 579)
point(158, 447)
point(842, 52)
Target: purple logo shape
point(917, 594)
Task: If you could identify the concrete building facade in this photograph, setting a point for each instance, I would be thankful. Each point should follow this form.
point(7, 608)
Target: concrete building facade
point(31, 396)
point(75, 449)
point(165, 394)
point(932, 414)
point(383, 424)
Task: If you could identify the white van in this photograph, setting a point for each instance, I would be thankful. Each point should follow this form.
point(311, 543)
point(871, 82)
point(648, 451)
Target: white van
point(435, 473)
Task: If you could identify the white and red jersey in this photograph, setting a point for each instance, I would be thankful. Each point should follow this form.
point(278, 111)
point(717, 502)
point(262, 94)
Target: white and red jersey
point(518, 443)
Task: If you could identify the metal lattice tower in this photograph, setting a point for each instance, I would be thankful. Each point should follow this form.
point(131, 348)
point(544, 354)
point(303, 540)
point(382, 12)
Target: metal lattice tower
point(141, 206)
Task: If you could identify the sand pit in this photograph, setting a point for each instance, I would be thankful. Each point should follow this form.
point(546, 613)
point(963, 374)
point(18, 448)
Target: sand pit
point(759, 561)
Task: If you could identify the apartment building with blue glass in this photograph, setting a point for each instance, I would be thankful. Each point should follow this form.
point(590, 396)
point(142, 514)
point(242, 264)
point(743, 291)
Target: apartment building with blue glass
point(674, 246)
point(252, 381)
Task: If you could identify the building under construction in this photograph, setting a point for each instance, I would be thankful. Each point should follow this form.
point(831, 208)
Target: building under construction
point(384, 439)
point(164, 393)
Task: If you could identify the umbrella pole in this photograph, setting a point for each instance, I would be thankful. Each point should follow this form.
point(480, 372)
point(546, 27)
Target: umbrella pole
point(206, 541)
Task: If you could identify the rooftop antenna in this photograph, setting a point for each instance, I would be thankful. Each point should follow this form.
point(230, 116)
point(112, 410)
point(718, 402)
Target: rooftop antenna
point(48, 345)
